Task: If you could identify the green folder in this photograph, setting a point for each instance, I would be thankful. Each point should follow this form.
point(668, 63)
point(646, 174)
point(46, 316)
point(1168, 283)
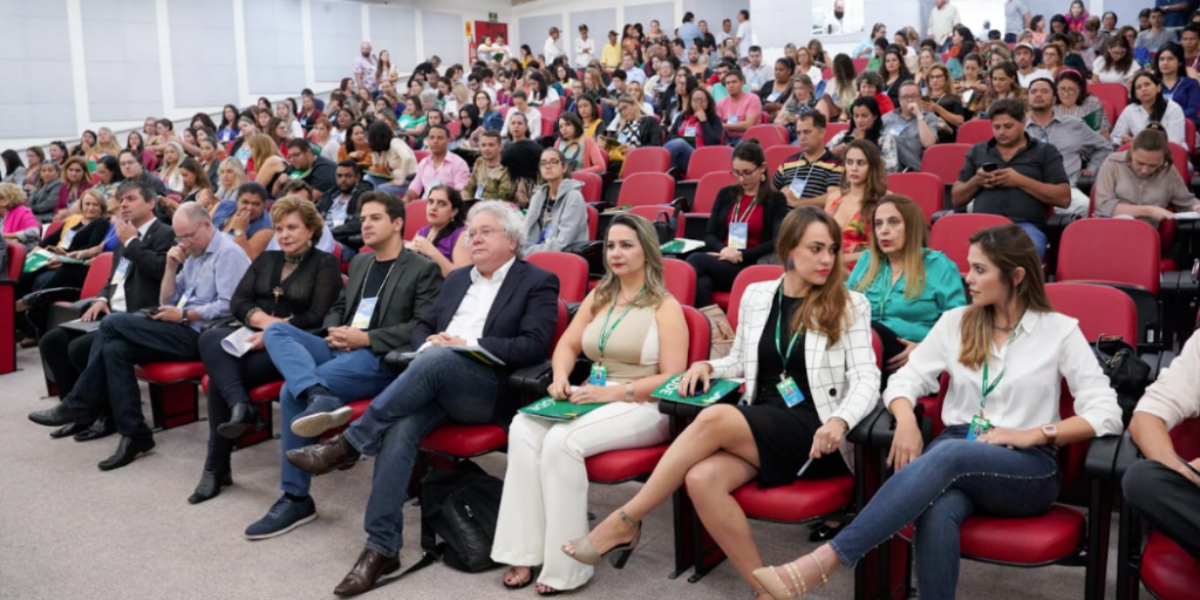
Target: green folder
point(717, 389)
point(681, 246)
point(558, 410)
point(36, 260)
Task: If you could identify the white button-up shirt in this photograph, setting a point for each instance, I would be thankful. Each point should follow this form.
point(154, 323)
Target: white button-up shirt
point(585, 51)
point(468, 321)
point(552, 49)
point(1048, 347)
point(117, 303)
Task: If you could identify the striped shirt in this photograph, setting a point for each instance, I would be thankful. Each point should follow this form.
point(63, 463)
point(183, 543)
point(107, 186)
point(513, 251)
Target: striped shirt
point(820, 176)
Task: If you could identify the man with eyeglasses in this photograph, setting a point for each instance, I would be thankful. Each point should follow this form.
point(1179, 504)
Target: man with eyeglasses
point(207, 268)
point(502, 305)
point(914, 129)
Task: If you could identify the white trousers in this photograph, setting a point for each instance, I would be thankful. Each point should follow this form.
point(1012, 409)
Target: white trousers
point(545, 487)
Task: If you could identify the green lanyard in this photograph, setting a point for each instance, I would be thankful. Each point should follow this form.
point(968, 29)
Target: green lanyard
point(605, 331)
point(740, 216)
point(988, 388)
point(779, 333)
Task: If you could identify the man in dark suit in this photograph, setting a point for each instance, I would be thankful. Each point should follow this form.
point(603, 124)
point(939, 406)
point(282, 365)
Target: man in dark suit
point(387, 291)
point(137, 271)
point(505, 306)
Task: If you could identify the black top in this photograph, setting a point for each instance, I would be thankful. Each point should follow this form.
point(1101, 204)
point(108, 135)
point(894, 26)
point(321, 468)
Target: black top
point(322, 176)
point(376, 277)
point(770, 363)
point(86, 236)
point(717, 232)
point(306, 294)
point(711, 131)
point(1037, 161)
point(954, 106)
point(768, 88)
point(893, 91)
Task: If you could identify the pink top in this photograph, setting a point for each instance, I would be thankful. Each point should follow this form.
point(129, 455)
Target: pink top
point(740, 110)
point(454, 172)
point(18, 219)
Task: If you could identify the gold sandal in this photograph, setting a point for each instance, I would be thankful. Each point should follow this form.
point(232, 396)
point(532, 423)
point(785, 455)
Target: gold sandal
point(779, 589)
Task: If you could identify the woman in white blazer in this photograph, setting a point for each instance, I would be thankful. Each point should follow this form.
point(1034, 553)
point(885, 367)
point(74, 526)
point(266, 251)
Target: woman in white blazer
point(1006, 355)
point(803, 347)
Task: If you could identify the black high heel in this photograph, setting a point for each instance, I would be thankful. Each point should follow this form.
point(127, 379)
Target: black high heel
point(824, 533)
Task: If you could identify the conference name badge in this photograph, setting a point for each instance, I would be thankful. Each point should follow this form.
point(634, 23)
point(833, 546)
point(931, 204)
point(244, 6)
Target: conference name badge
point(362, 316)
point(739, 233)
point(790, 392)
point(979, 426)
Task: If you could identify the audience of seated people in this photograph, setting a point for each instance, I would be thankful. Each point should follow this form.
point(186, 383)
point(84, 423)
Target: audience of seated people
point(244, 216)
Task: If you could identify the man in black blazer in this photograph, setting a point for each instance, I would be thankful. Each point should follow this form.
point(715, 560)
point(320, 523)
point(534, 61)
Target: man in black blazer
point(503, 305)
point(387, 291)
point(138, 264)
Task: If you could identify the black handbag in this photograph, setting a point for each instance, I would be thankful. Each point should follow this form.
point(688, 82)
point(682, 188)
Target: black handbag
point(1127, 373)
point(460, 505)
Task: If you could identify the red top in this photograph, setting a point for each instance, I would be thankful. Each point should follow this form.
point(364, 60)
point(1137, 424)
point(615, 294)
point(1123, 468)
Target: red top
point(754, 219)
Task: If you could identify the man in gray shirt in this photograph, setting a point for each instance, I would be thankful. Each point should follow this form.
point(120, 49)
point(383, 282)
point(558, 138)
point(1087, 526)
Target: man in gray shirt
point(1152, 39)
point(1075, 141)
point(913, 129)
point(1016, 18)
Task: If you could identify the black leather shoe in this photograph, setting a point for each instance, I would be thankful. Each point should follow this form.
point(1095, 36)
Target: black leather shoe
point(370, 567)
point(102, 427)
point(244, 417)
point(62, 414)
point(210, 486)
point(69, 430)
point(127, 450)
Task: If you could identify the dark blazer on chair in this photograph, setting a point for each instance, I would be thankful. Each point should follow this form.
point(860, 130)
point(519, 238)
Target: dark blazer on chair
point(409, 293)
point(519, 327)
point(147, 263)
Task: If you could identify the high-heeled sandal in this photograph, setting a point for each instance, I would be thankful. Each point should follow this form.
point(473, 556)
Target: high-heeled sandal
point(618, 555)
point(779, 589)
point(521, 583)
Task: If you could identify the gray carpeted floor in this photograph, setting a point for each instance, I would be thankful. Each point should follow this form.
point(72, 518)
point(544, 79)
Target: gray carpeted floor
point(67, 530)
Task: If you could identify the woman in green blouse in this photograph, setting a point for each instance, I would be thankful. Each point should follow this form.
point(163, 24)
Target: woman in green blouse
point(909, 285)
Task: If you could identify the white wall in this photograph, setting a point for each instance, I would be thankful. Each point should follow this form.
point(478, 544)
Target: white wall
point(71, 65)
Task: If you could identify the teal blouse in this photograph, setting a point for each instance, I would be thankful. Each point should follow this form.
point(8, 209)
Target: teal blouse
point(912, 319)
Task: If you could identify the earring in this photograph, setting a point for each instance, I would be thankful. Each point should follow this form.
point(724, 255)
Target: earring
point(790, 264)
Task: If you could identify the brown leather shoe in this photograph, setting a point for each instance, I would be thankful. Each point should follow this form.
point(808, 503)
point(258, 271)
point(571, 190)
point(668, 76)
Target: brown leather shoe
point(326, 457)
point(370, 567)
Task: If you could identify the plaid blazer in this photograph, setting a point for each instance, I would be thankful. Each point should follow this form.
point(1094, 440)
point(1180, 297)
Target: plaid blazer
point(844, 378)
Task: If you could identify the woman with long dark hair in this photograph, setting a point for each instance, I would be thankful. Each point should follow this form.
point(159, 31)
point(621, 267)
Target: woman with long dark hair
point(894, 72)
point(1116, 65)
point(228, 129)
point(441, 240)
point(1147, 105)
point(14, 170)
point(866, 123)
point(864, 183)
point(1176, 85)
point(697, 127)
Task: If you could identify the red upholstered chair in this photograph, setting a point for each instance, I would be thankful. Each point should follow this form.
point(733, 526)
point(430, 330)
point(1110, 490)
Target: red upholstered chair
point(733, 299)
point(680, 279)
point(832, 129)
point(952, 233)
point(421, 154)
point(693, 223)
point(647, 189)
point(945, 160)
point(593, 220)
point(8, 307)
point(593, 185)
point(652, 212)
point(571, 269)
point(768, 136)
point(262, 397)
point(975, 131)
point(454, 127)
point(550, 113)
point(647, 159)
point(174, 394)
point(414, 218)
point(708, 159)
point(1087, 254)
point(1101, 310)
point(777, 155)
point(860, 64)
point(1115, 94)
point(923, 188)
point(618, 466)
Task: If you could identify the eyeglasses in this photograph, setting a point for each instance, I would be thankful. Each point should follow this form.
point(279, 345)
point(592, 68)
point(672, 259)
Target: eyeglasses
point(551, 163)
point(743, 174)
point(187, 238)
point(486, 232)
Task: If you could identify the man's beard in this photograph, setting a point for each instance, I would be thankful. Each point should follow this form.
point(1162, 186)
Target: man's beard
point(366, 54)
point(838, 14)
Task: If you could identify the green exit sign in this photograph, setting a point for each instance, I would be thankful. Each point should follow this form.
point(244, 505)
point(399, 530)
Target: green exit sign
point(493, 17)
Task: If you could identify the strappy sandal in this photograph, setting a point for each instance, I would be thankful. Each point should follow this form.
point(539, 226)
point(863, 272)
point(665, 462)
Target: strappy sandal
point(618, 555)
point(779, 589)
point(521, 583)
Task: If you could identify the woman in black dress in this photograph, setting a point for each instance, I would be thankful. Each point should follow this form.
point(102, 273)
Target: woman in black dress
point(295, 285)
point(803, 345)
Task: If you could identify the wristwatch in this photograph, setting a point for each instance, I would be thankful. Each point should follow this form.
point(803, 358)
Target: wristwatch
point(1051, 433)
point(184, 320)
point(629, 392)
point(238, 233)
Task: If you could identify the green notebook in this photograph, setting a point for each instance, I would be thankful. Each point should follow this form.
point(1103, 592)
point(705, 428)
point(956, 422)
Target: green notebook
point(681, 246)
point(717, 389)
point(558, 410)
point(42, 257)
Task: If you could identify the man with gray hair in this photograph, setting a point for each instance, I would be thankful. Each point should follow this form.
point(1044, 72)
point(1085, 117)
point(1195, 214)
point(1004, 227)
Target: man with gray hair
point(505, 310)
point(207, 270)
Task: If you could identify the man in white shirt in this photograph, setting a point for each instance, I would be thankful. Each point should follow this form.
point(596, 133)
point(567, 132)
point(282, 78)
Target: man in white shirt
point(942, 21)
point(745, 34)
point(725, 33)
point(585, 48)
point(1026, 72)
point(756, 72)
point(552, 49)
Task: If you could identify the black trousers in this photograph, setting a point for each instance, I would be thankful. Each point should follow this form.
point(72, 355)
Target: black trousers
point(66, 353)
point(124, 341)
point(229, 378)
point(712, 275)
point(891, 347)
point(1167, 500)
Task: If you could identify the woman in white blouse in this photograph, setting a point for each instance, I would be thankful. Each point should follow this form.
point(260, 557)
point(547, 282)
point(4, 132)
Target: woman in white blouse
point(1005, 355)
point(803, 347)
point(1147, 104)
point(1116, 65)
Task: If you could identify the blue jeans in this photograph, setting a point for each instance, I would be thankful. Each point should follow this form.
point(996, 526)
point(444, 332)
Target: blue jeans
point(437, 388)
point(953, 479)
point(306, 360)
point(1037, 235)
point(383, 184)
point(681, 153)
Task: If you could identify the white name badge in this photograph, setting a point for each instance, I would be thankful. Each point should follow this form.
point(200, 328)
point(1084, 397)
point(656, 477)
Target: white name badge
point(739, 233)
point(797, 186)
point(187, 295)
point(68, 237)
point(119, 274)
point(732, 119)
point(623, 138)
point(897, 130)
point(689, 131)
point(362, 316)
point(479, 191)
point(434, 183)
point(773, 97)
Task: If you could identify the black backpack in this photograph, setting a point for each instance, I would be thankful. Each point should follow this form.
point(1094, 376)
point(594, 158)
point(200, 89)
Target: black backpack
point(460, 505)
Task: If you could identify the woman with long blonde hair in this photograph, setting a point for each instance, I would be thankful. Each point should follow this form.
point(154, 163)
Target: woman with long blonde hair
point(268, 164)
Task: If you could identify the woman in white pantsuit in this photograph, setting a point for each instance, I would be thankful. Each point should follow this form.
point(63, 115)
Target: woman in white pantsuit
point(630, 327)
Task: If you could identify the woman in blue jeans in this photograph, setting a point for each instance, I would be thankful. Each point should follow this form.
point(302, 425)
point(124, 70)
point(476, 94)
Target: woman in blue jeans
point(998, 455)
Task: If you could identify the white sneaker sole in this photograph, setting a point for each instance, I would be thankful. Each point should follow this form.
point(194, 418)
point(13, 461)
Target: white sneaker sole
point(265, 536)
point(315, 424)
